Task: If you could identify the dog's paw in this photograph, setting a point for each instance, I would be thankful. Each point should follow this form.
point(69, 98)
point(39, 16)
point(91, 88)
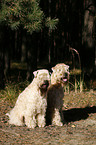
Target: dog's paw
point(57, 123)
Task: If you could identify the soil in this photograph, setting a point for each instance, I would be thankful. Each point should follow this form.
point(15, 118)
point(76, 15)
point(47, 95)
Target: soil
point(79, 127)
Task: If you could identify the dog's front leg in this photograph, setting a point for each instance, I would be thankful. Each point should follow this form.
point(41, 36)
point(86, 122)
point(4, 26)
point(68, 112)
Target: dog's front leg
point(56, 120)
point(41, 120)
point(30, 121)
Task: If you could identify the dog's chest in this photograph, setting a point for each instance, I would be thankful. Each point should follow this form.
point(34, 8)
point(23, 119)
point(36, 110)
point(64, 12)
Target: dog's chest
point(41, 104)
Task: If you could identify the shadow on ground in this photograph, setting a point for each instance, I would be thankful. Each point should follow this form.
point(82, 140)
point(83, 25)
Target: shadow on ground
point(77, 114)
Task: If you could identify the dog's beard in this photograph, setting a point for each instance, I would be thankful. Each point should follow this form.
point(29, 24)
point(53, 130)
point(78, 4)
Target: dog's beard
point(43, 87)
point(63, 80)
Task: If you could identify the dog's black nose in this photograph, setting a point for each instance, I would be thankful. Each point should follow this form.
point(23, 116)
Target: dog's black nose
point(46, 82)
point(66, 75)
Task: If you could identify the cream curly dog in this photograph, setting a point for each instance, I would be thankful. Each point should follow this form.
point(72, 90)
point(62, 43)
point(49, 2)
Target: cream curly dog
point(55, 94)
point(30, 107)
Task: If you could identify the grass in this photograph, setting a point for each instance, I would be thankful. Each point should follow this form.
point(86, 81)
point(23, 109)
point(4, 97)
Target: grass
point(12, 90)
point(75, 87)
point(71, 99)
point(76, 82)
point(20, 65)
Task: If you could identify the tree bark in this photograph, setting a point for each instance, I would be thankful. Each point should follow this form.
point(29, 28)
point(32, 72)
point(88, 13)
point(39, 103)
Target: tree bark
point(2, 84)
point(23, 47)
point(32, 44)
point(88, 49)
point(7, 50)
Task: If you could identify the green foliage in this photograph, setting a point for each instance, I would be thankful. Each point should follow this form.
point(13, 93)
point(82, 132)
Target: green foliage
point(24, 13)
point(51, 23)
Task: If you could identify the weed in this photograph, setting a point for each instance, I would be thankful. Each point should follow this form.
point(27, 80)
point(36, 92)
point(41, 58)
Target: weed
point(78, 83)
point(12, 90)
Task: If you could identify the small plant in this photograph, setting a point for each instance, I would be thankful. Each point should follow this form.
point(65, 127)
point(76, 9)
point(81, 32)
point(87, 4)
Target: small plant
point(12, 90)
point(78, 83)
point(66, 88)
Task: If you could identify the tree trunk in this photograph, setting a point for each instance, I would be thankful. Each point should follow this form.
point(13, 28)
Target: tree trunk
point(23, 47)
point(1, 58)
point(1, 70)
point(88, 49)
point(7, 51)
point(32, 44)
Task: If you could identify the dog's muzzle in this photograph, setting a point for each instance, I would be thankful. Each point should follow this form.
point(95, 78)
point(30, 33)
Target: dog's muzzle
point(65, 78)
point(45, 85)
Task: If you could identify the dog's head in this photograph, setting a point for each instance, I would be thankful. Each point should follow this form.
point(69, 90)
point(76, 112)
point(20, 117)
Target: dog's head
point(60, 73)
point(43, 79)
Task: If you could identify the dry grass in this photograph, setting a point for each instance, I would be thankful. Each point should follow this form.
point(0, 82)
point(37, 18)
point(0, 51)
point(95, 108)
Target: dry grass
point(74, 92)
point(12, 90)
point(71, 99)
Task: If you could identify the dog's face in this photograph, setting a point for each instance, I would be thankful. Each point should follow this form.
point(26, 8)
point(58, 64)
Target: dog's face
point(43, 79)
point(60, 73)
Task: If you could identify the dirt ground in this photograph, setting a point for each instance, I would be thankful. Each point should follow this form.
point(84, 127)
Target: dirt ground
point(79, 128)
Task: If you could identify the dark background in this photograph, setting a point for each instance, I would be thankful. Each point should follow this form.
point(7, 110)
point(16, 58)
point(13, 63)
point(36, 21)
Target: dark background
point(72, 42)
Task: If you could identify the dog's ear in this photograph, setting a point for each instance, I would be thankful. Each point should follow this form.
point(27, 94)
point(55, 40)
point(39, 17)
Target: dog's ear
point(53, 69)
point(35, 73)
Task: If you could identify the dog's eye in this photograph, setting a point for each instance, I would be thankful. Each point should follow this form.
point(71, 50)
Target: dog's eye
point(37, 72)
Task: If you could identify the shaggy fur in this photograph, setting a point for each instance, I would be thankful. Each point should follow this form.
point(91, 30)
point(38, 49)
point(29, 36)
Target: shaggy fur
point(30, 107)
point(55, 94)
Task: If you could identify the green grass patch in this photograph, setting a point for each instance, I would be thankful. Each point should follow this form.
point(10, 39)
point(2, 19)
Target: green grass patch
point(19, 65)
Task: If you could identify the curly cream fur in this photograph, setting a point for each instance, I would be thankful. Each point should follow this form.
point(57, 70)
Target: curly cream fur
point(55, 94)
point(30, 107)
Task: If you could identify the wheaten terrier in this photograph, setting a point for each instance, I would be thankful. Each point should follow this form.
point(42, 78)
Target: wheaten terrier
point(30, 107)
point(55, 94)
